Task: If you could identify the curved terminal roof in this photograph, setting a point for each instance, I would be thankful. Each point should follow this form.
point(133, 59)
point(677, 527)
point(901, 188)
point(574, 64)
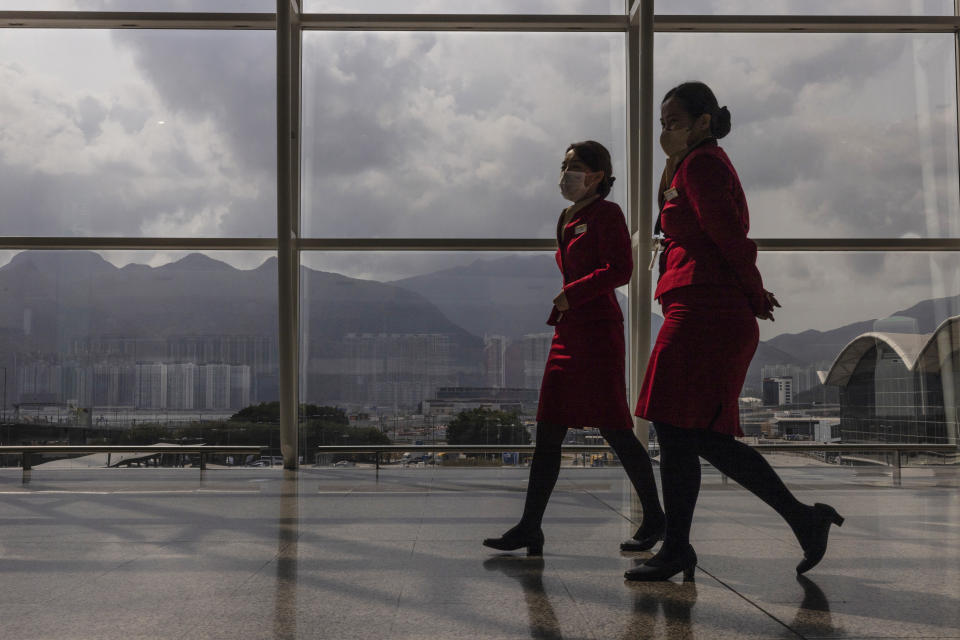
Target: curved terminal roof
point(914, 349)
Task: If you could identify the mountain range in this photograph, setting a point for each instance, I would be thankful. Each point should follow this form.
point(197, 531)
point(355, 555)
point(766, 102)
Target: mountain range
point(53, 297)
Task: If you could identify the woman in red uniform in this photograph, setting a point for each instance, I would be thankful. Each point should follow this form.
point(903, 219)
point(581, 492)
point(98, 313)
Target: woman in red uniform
point(584, 380)
point(711, 293)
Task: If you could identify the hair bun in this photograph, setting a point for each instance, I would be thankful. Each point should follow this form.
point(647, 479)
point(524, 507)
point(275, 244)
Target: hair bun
point(720, 123)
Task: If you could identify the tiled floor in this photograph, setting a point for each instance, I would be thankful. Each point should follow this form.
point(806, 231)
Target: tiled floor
point(338, 553)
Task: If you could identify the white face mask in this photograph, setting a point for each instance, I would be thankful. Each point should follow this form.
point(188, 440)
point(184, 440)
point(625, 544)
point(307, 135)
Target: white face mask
point(674, 141)
point(573, 185)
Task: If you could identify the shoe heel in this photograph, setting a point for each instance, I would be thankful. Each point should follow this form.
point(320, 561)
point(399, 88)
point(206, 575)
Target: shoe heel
point(835, 517)
point(831, 513)
point(535, 550)
point(688, 572)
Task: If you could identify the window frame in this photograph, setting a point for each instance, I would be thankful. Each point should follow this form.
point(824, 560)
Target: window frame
point(638, 23)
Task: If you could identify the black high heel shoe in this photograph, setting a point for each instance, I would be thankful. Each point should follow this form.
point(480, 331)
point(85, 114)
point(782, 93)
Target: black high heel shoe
point(662, 567)
point(815, 534)
point(642, 541)
point(516, 538)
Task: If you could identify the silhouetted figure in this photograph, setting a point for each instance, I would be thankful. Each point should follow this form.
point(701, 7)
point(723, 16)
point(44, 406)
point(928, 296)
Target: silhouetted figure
point(584, 379)
point(712, 294)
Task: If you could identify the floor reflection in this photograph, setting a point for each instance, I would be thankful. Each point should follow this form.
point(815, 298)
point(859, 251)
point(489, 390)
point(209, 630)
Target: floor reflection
point(661, 610)
point(813, 617)
point(529, 573)
point(288, 532)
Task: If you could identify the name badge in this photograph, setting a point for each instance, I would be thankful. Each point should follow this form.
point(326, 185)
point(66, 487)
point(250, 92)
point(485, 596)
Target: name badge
point(670, 193)
point(580, 228)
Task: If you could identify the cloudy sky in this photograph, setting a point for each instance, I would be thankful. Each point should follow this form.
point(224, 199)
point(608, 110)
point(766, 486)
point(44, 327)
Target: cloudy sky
point(166, 133)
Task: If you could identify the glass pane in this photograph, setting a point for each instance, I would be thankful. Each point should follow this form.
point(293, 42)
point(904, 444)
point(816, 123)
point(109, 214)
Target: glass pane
point(229, 6)
point(93, 345)
point(833, 135)
point(403, 342)
point(467, 6)
point(138, 133)
point(452, 134)
point(898, 388)
point(807, 7)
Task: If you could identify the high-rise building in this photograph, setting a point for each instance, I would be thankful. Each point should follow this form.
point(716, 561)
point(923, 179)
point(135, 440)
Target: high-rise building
point(151, 386)
point(114, 385)
point(38, 381)
point(239, 386)
point(495, 361)
point(216, 383)
point(804, 376)
point(778, 391)
point(394, 370)
point(535, 348)
point(181, 385)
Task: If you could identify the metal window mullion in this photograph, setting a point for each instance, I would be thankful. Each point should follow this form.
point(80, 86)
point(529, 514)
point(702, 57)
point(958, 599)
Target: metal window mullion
point(462, 22)
point(640, 190)
point(808, 24)
point(857, 244)
point(956, 69)
point(99, 243)
point(427, 244)
point(287, 294)
point(134, 20)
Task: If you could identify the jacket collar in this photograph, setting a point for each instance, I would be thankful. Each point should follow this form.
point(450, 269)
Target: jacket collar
point(568, 213)
point(670, 170)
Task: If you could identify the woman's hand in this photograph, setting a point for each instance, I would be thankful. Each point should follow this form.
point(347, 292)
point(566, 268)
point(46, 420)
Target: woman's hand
point(771, 302)
point(560, 302)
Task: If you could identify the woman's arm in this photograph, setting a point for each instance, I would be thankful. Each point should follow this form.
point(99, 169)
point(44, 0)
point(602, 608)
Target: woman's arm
point(616, 260)
point(708, 186)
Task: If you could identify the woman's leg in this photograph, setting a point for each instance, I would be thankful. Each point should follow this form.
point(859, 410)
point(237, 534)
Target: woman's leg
point(752, 471)
point(680, 476)
point(811, 524)
point(544, 471)
point(636, 462)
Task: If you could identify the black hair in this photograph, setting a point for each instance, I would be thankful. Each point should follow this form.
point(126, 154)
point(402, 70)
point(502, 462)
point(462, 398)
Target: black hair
point(597, 158)
point(697, 99)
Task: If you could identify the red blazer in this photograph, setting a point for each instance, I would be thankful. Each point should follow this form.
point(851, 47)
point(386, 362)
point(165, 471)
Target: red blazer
point(595, 258)
point(706, 224)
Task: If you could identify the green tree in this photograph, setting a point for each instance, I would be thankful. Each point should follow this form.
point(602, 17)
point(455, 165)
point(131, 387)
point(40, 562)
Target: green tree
point(486, 426)
point(263, 412)
point(270, 412)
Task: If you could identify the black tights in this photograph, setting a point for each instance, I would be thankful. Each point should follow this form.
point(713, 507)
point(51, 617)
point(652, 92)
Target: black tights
point(545, 468)
point(680, 450)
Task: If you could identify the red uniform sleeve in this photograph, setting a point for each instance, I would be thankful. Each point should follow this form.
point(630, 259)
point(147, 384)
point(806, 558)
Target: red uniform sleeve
point(709, 186)
point(615, 263)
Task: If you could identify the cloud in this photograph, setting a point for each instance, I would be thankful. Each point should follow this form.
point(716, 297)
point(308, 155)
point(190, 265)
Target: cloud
point(827, 290)
point(114, 156)
point(834, 135)
point(450, 149)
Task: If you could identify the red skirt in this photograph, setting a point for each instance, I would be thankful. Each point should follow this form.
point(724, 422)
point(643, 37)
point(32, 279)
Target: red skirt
point(700, 360)
point(584, 382)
